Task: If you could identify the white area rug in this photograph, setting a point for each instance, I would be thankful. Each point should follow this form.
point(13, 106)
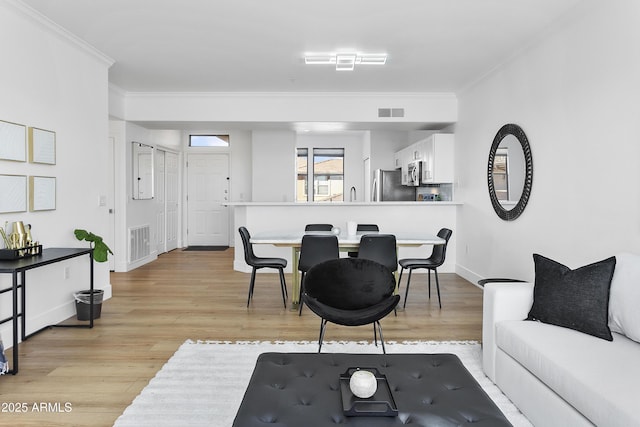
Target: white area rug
point(203, 383)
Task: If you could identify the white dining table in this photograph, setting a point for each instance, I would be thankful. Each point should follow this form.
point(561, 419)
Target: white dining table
point(346, 242)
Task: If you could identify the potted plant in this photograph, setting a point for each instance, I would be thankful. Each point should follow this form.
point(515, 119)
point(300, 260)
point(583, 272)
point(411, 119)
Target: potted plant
point(84, 299)
point(100, 249)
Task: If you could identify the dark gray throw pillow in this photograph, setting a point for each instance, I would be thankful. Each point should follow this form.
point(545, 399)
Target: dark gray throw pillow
point(576, 299)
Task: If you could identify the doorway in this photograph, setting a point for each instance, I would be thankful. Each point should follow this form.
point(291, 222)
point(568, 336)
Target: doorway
point(207, 191)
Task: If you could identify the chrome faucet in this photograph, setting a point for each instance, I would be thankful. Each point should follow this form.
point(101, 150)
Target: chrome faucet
point(352, 194)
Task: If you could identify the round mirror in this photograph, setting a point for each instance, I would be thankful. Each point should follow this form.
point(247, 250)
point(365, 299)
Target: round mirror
point(510, 172)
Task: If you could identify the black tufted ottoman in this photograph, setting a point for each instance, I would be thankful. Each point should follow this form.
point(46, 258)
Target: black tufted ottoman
point(303, 390)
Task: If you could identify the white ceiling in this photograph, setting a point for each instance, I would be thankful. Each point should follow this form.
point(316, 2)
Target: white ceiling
point(258, 45)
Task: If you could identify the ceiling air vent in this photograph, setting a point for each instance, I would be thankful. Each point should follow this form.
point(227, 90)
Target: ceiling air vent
point(384, 112)
point(397, 112)
point(390, 112)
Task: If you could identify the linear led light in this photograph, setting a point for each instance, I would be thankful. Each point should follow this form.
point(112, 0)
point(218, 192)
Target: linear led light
point(372, 59)
point(345, 61)
point(319, 59)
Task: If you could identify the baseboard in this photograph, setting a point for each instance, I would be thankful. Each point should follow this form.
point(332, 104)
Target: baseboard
point(139, 263)
point(469, 275)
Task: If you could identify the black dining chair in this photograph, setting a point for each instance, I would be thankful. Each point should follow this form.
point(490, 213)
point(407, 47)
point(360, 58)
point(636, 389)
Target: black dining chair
point(436, 259)
point(315, 249)
point(257, 263)
point(318, 227)
point(363, 228)
point(380, 248)
point(350, 292)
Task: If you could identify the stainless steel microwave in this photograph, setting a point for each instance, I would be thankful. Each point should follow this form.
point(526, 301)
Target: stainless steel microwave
point(414, 172)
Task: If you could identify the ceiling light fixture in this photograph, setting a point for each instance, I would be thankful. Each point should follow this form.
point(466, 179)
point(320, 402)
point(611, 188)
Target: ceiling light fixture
point(345, 61)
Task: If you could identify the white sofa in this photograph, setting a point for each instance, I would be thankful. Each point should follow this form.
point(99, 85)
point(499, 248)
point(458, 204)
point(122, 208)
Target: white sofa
point(558, 376)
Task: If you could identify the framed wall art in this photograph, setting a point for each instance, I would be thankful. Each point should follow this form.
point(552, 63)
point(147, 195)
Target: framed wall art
point(13, 193)
point(13, 139)
point(42, 193)
point(42, 146)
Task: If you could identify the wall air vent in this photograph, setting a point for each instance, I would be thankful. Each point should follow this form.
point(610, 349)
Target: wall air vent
point(390, 112)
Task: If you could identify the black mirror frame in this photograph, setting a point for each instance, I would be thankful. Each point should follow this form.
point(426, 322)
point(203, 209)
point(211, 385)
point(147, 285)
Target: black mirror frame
point(516, 211)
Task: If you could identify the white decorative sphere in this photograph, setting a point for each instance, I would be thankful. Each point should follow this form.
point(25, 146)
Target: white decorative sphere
point(335, 230)
point(363, 384)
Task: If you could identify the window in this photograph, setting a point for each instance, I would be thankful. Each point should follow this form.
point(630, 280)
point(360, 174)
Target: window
point(328, 175)
point(208, 140)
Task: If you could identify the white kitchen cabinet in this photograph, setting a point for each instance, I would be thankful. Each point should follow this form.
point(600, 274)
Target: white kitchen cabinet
point(400, 161)
point(397, 159)
point(437, 154)
point(438, 163)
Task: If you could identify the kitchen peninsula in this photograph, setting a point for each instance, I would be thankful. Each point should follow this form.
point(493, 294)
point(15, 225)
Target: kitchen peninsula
point(391, 217)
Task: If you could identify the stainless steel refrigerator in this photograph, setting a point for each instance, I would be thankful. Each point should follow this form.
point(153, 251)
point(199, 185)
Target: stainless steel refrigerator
point(387, 187)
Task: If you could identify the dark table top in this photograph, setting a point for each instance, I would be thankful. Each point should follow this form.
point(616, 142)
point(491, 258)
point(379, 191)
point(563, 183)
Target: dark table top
point(48, 256)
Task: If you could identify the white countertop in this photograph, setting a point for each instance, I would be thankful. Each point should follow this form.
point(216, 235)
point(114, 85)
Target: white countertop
point(292, 238)
point(343, 204)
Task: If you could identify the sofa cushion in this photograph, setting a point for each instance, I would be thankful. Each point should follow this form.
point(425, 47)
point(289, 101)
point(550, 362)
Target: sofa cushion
point(576, 299)
point(599, 378)
point(624, 299)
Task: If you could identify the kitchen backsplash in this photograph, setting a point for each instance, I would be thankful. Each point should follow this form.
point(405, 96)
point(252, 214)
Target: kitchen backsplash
point(435, 192)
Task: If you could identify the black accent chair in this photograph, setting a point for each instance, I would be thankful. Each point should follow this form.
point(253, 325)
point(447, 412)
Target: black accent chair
point(350, 292)
point(318, 227)
point(432, 263)
point(359, 229)
point(257, 263)
point(314, 250)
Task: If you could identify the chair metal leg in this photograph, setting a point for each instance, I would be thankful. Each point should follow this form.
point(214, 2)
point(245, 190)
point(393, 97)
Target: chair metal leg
point(429, 281)
point(406, 292)
point(375, 335)
point(323, 326)
point(283, 286)
point(251, 285)
point(438, 287)
point(381, 338)
point(400, 278)
point(300, 295)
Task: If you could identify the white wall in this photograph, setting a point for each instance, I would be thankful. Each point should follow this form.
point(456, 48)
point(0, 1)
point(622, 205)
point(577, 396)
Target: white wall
point(575, 95)
point(51, 80)
point(240, 165)
point(384, 144)
point(273, 166)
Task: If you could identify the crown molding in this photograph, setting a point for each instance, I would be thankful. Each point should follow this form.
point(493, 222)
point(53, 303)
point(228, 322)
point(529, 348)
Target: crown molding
point(394, 95)
point(58, 31)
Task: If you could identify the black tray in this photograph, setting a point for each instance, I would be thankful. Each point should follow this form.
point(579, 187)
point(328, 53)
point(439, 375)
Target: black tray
point(381, 404)
point(20, 253)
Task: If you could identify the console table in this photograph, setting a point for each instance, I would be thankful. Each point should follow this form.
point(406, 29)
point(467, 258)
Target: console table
point(19, 267)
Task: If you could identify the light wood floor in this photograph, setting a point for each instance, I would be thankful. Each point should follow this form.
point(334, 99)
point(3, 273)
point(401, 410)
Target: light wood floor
point(191, 295)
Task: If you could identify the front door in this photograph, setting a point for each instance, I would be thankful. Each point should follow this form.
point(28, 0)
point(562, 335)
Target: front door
point(207, 190)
